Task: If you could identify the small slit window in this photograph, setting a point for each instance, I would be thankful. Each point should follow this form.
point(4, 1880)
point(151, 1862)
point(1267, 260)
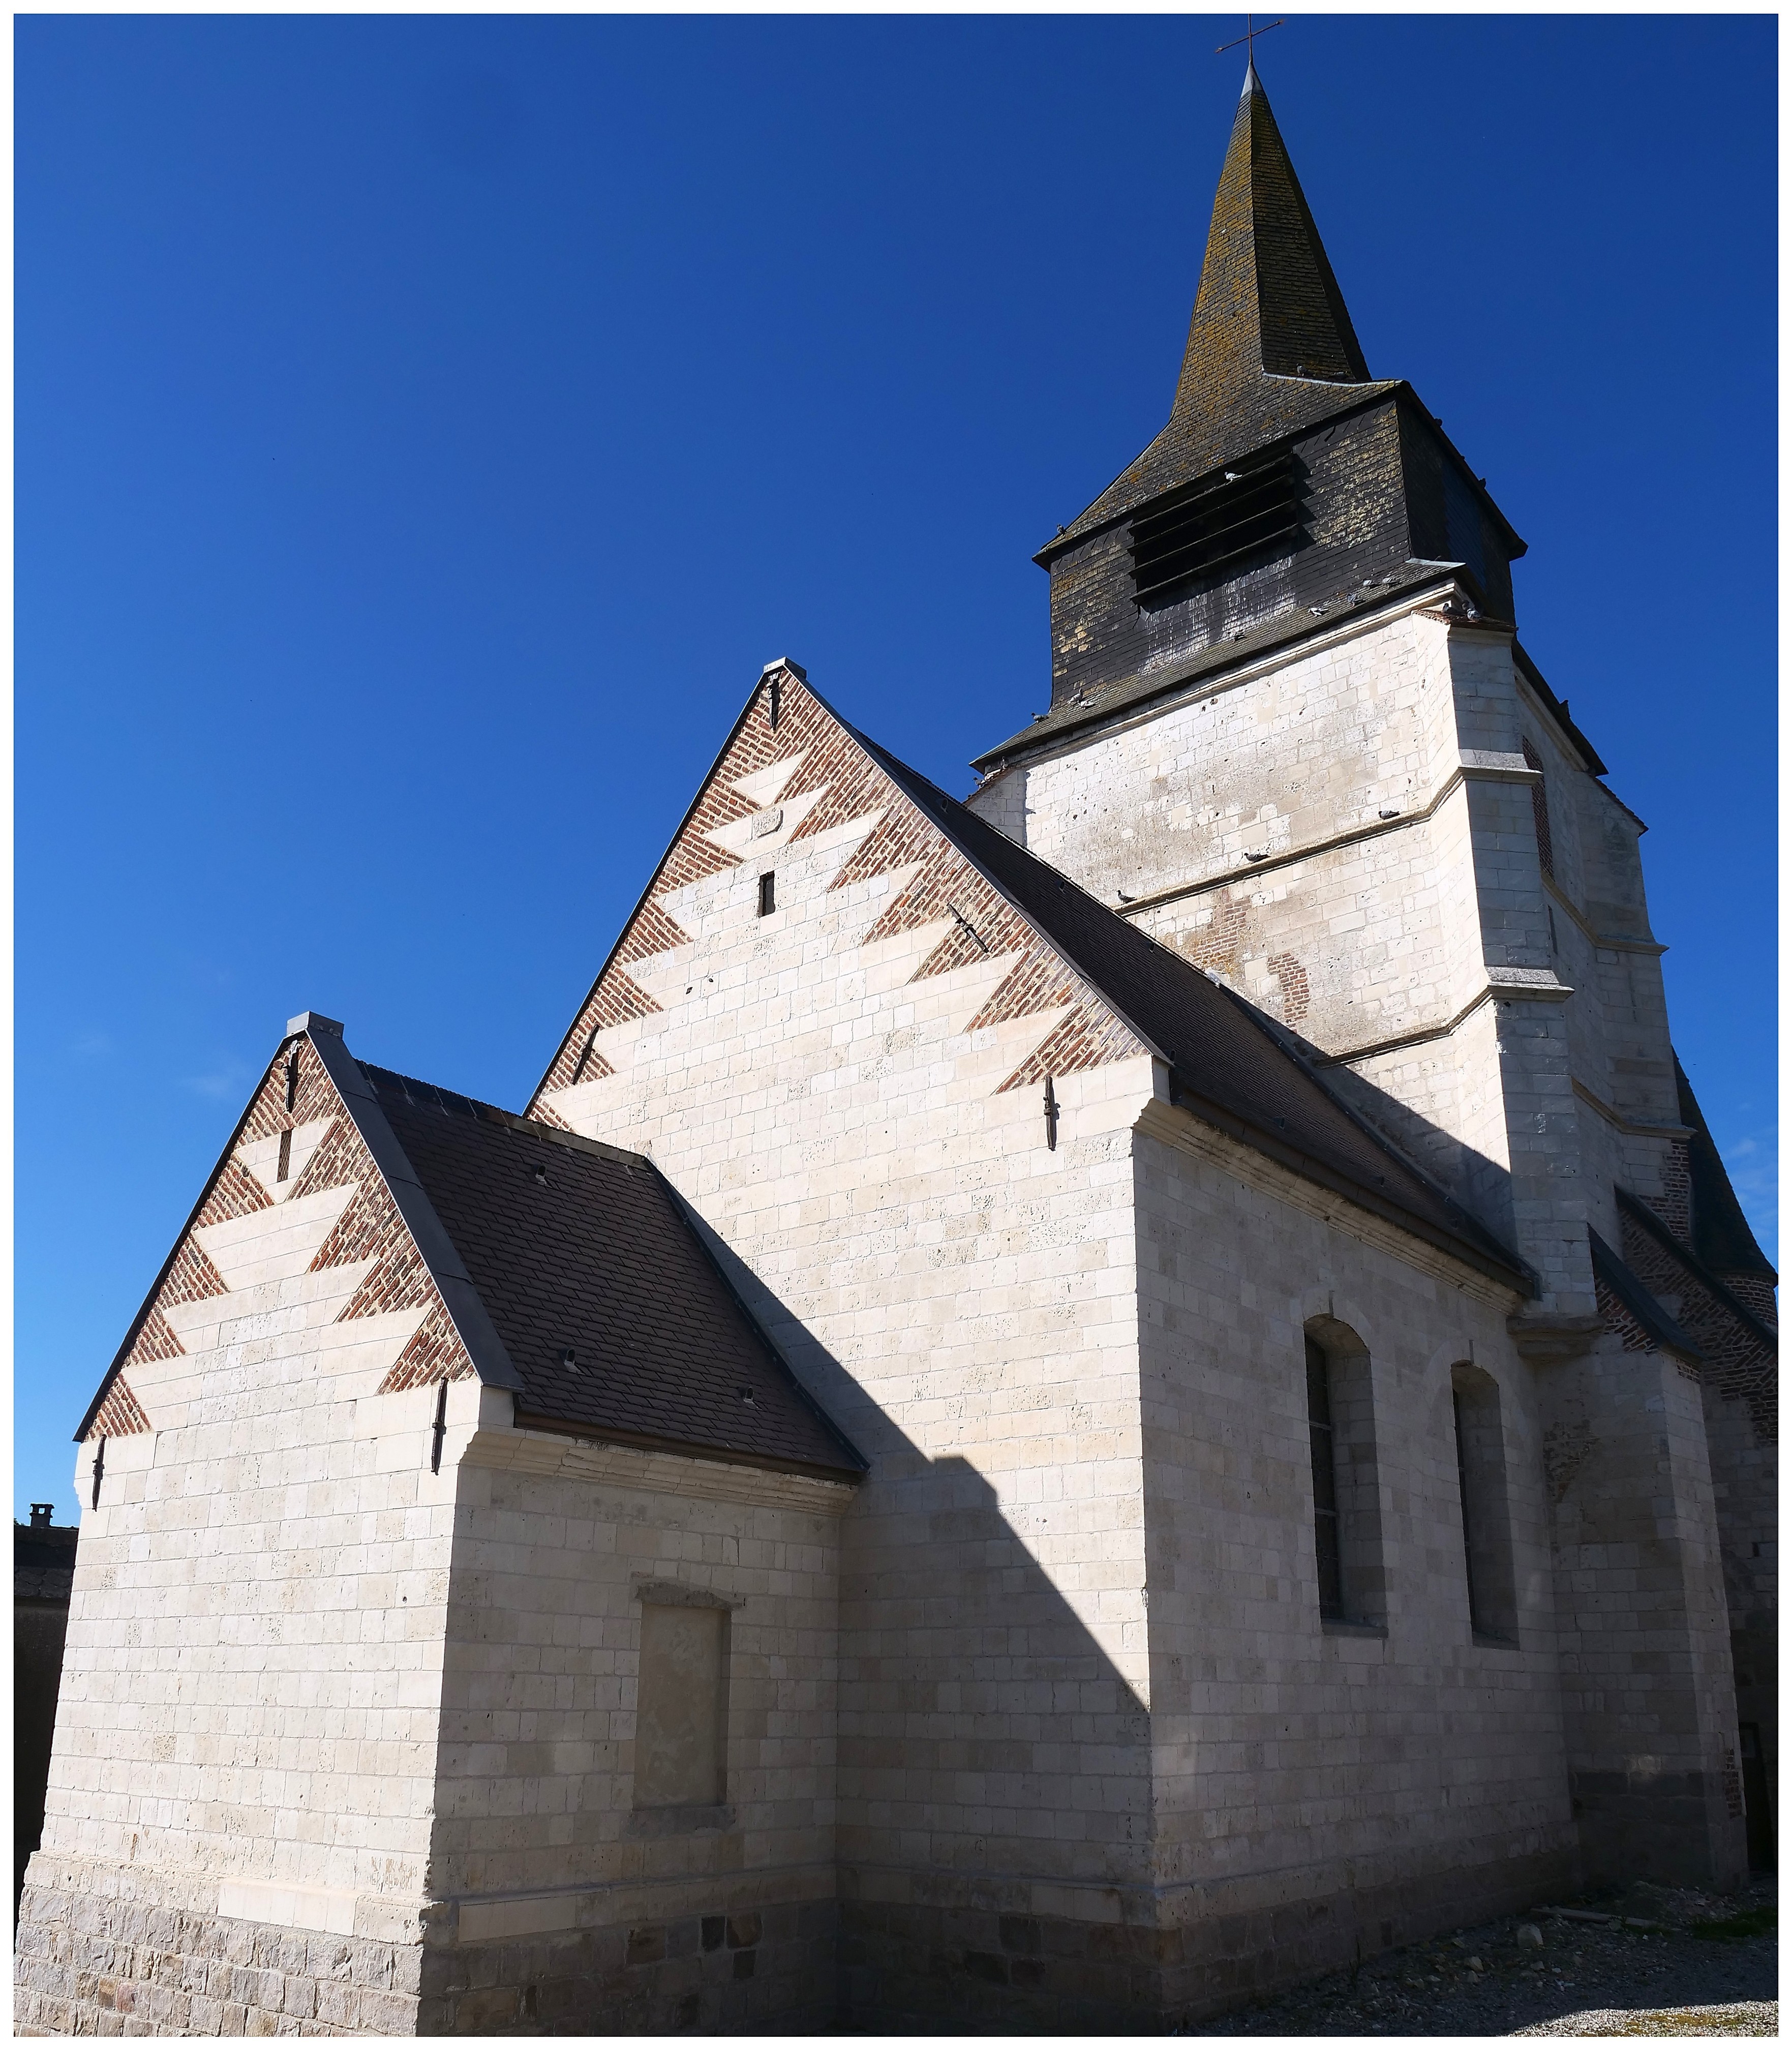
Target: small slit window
point(768, 894)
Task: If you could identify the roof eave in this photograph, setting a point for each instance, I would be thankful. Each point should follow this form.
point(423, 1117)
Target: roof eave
point(1317, 1172)
point(602, 1434)
point(1083, 528)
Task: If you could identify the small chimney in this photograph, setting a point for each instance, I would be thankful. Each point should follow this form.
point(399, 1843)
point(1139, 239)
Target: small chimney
point(40, 1514)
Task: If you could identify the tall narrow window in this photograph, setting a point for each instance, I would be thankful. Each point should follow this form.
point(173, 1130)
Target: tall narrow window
point(1323, 1441)
point(1346, 1485)
point(284, 1167)
point(768, 895)
point(681, 1706)
point(1486, 1521)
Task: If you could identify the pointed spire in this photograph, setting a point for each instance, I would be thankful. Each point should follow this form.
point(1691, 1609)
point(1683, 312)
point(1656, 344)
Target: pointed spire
point(1271, 349)
point(1268, 300)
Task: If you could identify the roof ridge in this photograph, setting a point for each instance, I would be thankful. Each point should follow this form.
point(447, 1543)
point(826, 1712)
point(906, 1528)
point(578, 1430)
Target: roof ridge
point(518, 1121)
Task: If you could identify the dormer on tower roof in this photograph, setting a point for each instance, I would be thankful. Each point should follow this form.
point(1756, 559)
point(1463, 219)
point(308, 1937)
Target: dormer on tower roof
point(1288, 481)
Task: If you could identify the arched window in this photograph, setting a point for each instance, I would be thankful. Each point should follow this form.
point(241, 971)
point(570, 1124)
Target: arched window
point(1346, 1482)
point(1492, 1606)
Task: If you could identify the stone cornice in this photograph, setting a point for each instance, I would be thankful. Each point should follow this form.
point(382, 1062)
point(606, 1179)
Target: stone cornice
point(557, 1456)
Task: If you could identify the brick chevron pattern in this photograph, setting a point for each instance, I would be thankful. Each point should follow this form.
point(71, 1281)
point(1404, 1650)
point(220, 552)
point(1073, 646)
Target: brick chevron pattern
point(828, 764)
point(369, 1229)
point(121, 1415)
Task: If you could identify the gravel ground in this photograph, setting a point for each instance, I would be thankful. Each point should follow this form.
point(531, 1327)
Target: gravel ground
point(1709, 1967)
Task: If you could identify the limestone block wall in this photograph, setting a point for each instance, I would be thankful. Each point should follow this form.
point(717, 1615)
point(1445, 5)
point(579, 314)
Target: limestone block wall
point(243, 1784)
point(825, 1086)
point(1648, 1694)
point(1379, 838)
point(242, 1789)
point(571, 1904)
point(1323, 1786)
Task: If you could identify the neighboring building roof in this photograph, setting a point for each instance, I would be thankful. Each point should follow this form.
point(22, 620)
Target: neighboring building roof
point(1233, 1066)
point(1610, 1271)
point(574, 1245)
point(43, 1561)
point(1721, 1237)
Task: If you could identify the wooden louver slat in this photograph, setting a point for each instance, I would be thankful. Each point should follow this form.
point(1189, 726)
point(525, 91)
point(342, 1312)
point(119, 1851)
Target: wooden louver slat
point(1201, 527)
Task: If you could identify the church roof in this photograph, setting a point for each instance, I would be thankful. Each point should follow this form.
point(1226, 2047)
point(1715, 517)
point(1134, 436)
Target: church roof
point(1721, 1237)
point(576, 1247)
point(1231, 1065)
point(1271, 349)
point(572, 1272)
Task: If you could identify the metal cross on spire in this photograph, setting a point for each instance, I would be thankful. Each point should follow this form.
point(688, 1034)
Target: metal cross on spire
point(1248, 38)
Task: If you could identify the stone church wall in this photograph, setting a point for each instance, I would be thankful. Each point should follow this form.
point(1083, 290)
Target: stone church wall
point(1325, 1788)
point(574, 1905)
point(238, 1815)
point(1352, 836)
point(959, 1294)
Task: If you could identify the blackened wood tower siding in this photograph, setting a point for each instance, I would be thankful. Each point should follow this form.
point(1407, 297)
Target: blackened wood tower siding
point(1272, 369)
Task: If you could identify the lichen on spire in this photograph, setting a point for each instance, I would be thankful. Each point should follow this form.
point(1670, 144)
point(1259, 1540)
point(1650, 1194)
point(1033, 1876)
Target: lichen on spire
point(1269, 324)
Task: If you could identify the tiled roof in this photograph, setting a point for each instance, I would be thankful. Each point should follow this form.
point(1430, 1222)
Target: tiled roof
point(1271, 349)
point(576, 1247)
point(43, 1561)
point(1655, 1322)
point(1721, 1237)
point(585, 1249)
point(1233, 1066)
point(1640, 1214)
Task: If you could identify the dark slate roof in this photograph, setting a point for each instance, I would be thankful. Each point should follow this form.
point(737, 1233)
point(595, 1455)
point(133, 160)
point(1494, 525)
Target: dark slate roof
point(1721, 1237)
point(1610, 1269)
point(43, 1561)
point(1233, 1067)
point(1271, 349)
point(1642, 1216)
point(572, 1244)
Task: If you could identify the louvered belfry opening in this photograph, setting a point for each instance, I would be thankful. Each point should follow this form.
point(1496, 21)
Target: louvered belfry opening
point(1213, 523)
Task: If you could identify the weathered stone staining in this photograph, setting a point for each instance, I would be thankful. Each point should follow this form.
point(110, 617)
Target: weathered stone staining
point(1086, 1405)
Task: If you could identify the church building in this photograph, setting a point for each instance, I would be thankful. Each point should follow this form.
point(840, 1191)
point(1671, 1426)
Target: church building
point(1065, 1406)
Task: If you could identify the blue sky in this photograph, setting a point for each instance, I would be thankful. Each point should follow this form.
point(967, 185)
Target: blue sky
point(427, 427)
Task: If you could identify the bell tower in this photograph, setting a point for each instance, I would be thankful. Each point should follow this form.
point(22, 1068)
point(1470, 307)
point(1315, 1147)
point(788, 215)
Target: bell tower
point(1288, 482)
point(1293, 735)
